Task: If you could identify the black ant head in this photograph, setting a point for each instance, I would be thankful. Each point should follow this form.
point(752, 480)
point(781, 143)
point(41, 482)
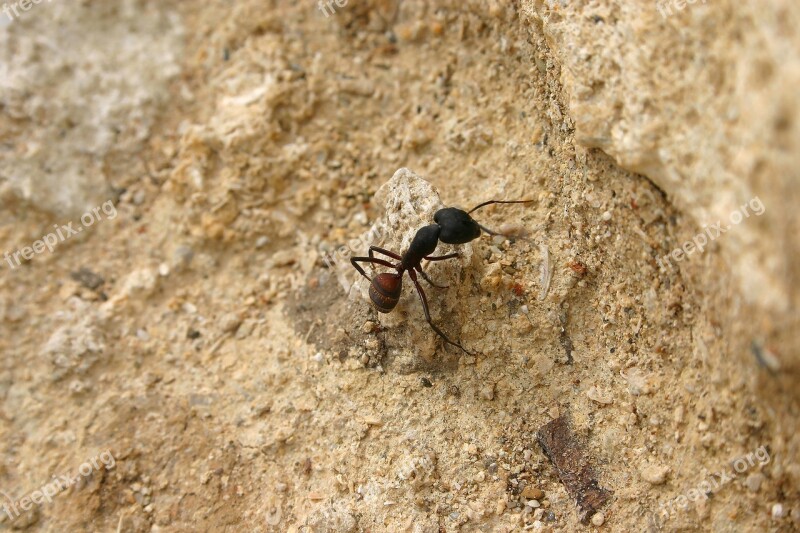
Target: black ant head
point(457, 227)
point(384, 291)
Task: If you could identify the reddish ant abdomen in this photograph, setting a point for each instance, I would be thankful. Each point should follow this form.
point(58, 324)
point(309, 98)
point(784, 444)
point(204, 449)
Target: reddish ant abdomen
point(384, 291)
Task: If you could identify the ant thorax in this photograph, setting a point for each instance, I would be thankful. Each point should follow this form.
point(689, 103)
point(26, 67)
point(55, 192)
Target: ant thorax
point(423, 244)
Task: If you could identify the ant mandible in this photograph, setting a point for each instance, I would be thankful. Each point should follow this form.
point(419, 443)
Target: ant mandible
point(451, 226)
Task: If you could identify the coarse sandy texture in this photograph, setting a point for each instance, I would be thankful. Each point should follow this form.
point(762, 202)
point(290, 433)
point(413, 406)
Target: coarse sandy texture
point(239, 386)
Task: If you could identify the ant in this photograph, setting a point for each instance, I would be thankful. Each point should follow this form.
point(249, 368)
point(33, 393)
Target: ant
point(451, 226)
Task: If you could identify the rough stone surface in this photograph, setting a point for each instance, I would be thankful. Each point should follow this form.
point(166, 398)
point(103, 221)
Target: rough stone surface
point(75, 123)
point(708, 111)
point(245, 196)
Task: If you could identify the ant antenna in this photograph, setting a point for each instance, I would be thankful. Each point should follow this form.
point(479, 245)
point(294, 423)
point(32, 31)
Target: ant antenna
point(499, 202)
point(484, 228)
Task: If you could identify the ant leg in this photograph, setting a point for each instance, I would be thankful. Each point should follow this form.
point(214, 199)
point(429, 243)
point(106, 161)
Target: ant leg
point(426, 278)
point(354, 261)
point(436, 258)
point(441, 257)
point(384, 252)
point(424, 301)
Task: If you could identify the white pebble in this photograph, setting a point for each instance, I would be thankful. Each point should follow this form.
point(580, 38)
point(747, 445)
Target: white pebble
point(777, 511)
point(598, 519)
point(655, 475)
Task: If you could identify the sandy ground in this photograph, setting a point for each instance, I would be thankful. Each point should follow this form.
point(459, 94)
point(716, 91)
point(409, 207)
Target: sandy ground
point(201, 343)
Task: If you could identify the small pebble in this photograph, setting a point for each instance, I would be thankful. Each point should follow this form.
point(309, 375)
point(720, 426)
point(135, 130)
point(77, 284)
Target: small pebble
point(607, 216)
point(372, 344)
point(487, 392)
point(777, 511)
point(500, 507)
point(754, 481)
point(182, 256)
point(654, 474)
point(598, 519)
point(599, 395)
point(77, 387)
point(230, 322)
point(88, 279)
point(262, 241)
point(532, 493)
point(163, 270)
